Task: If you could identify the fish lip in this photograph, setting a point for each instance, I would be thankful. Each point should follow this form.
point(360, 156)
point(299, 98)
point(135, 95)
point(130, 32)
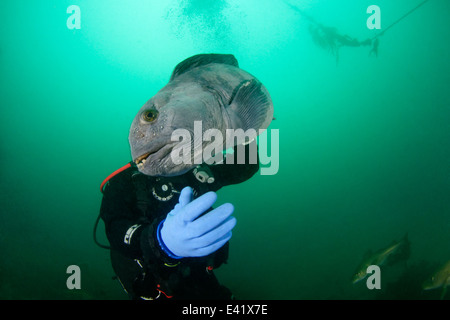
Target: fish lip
point(150, 151)
point(143, 157)
point(158, 144)
point(162, 151)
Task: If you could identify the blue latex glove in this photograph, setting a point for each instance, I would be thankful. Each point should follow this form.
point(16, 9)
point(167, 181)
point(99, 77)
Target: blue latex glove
point(183, 234)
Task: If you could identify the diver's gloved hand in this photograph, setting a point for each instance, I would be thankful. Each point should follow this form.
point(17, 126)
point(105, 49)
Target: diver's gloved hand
point(183, 234)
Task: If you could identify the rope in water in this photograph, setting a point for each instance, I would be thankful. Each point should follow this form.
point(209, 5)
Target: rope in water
point(400, 19)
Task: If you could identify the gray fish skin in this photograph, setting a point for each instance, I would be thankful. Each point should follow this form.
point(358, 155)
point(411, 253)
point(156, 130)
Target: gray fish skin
point(221, 95)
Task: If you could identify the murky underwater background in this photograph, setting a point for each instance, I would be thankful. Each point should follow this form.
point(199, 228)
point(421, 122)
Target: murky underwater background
point(364, 141)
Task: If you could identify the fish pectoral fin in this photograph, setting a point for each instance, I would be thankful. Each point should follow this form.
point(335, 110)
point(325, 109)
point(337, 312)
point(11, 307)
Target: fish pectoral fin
point(201, 60)
point(250, 107)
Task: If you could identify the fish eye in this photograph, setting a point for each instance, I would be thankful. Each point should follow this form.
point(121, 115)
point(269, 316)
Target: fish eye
point(150, 115)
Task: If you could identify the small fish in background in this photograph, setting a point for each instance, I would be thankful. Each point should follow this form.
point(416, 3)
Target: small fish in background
point(396, 252)
point(441, 278)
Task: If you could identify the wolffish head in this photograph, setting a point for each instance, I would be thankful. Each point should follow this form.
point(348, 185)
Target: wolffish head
point(150, 137)
point(151, 132)
point(206, 88)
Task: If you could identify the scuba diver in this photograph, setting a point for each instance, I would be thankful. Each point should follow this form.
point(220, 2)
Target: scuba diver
point(330, 39)
point(165, 237)
point(146, 253)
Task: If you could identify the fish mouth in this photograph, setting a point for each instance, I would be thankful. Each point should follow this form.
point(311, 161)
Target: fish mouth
point(158, 153)
point(142, 159)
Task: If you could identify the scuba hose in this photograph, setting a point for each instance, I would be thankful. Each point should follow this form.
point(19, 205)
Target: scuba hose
point(128, 165)
point(95, 234)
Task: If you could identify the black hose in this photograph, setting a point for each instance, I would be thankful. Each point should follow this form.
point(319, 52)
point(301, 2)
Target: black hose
point(95, 235)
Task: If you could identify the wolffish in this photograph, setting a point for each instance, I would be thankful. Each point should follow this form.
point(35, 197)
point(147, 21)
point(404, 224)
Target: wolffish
point(210, 88)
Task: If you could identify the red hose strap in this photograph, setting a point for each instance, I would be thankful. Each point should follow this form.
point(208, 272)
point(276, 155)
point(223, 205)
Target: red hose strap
point(128, 165)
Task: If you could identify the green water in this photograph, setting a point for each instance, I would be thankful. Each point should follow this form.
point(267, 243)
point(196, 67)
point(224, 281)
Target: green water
point(364, 143)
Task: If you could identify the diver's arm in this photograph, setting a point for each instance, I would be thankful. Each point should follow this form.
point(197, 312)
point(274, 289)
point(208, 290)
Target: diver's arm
point(121, 220)
point(128, 232)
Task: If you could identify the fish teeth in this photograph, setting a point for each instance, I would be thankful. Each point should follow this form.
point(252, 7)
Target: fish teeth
point(142, 158)
point(141, 163)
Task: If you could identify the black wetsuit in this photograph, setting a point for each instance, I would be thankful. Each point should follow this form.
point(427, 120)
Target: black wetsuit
point(132, 207)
